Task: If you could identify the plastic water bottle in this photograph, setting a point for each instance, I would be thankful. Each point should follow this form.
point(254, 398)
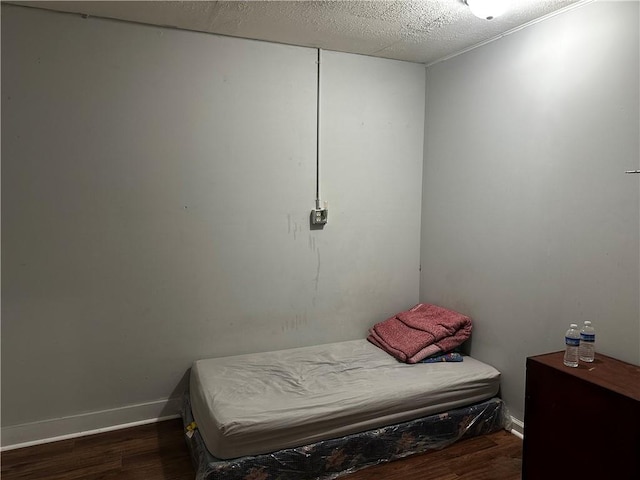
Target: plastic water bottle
point(587, 342)
point(572, 344)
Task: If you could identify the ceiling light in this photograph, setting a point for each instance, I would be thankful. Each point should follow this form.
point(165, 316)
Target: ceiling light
point(486, 9)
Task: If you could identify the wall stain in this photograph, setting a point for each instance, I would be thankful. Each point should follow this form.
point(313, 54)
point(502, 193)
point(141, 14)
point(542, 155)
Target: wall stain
point(293, 227)
point(295, 323)
point(317, 279)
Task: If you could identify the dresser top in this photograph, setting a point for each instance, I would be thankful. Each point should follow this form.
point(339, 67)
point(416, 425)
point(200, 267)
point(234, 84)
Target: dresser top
point(613, 374)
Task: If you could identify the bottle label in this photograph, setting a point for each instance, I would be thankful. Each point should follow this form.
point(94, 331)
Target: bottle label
point(574, 342)
point(587, 337)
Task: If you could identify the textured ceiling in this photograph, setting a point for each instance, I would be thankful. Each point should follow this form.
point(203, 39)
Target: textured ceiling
point(416, 31)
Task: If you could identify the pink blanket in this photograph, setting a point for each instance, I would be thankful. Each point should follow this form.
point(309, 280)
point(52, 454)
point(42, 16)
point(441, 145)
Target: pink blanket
point(420, 332)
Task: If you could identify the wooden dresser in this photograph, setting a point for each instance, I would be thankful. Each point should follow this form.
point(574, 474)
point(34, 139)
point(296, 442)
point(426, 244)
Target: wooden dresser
point(581, 423)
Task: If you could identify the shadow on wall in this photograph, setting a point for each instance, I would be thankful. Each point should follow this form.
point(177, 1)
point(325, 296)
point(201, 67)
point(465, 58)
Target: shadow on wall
point(175, 399)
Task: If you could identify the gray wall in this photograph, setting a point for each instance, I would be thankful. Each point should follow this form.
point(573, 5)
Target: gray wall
point(156, 191)
point(528, 221)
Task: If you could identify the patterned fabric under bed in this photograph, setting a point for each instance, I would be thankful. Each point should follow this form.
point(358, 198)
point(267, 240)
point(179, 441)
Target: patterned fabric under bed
point(334, 458)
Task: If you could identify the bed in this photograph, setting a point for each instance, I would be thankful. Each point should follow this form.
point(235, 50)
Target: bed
point(323, 411)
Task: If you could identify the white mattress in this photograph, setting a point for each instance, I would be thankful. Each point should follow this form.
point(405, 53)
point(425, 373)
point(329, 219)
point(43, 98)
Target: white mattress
point(263, 402)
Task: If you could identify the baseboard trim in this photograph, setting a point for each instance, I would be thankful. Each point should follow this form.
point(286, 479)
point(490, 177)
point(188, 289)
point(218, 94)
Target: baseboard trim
point(36, 433)
point(517, 427)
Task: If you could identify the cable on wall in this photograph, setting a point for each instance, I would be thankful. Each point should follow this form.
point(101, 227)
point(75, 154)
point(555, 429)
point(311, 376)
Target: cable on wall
point(318, 205)
point(320, 213)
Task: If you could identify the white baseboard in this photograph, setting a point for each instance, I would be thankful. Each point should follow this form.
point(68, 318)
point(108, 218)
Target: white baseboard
point(29, 434)
point(517, 427)
point(36, 433)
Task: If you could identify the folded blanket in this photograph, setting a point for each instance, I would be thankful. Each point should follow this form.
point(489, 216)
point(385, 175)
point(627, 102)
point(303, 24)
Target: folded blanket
point(421, 332)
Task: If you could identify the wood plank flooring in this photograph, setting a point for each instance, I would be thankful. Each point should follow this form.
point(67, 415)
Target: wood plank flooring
point(159, 452)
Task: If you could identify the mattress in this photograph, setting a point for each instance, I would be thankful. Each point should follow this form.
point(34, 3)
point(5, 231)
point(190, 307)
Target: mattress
point(259, 403)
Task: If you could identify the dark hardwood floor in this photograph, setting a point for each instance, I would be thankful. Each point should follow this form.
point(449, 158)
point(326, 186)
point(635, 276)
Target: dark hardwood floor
point(159, 452)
